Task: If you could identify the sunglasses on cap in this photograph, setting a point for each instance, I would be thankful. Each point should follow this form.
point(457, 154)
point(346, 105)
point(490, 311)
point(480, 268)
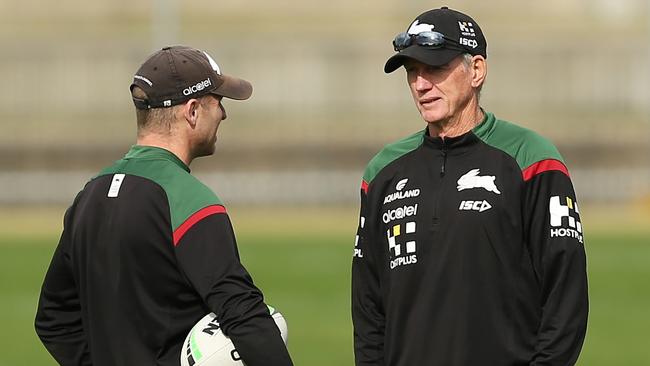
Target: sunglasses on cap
point(424, 39)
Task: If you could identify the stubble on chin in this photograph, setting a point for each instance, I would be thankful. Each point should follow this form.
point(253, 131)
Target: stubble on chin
point(206, 149)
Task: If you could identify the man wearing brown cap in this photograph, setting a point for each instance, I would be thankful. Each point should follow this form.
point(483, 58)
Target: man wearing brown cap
point(147, 250)
point(470, 248)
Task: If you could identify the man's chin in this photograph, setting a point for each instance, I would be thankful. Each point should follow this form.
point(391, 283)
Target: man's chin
point(205, 151)
point(433, 119)
point(433, 115)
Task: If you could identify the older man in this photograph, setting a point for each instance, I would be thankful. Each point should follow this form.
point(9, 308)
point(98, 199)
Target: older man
point(469, 249)
point(147, 249)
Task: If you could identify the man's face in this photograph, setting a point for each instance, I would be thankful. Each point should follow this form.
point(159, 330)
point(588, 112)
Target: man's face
point(211, 113)
point(440, 92)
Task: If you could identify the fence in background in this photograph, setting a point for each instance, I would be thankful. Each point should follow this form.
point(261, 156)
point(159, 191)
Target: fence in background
point(586, 87)
point(300, 187)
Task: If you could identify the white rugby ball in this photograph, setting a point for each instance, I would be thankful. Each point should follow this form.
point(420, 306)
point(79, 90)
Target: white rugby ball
point(206, 345)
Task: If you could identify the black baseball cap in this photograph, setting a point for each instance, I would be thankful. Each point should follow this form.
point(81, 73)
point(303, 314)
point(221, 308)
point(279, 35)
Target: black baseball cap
point(177, 74)
point(462, 35)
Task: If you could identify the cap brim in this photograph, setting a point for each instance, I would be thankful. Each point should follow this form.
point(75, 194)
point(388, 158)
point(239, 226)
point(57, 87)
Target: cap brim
point(234, 88)
point(437, 57)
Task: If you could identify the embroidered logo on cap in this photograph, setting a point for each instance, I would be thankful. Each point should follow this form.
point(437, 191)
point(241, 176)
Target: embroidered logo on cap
point(417, 27)
point(197, 87)
point(213, 63)
point(466, 29)
point(143, 79)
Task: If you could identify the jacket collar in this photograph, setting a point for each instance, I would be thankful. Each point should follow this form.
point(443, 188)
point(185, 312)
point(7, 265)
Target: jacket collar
point(154, 153)
point(459, 144)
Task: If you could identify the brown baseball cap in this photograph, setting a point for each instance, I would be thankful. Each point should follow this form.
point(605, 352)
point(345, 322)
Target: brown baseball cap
point(177, 74)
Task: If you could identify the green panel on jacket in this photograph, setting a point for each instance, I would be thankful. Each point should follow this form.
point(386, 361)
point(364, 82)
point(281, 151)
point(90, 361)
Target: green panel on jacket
point(526, 146)
point(185, 193)
point(390, 153)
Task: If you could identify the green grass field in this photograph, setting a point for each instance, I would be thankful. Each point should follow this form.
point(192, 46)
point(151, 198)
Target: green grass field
point(301, 259)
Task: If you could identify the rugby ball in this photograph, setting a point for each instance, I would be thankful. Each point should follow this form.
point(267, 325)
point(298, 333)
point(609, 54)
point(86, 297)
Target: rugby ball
point(206, 345)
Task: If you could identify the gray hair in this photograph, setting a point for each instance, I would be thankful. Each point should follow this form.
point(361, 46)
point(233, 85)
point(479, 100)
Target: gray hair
point(467, 61)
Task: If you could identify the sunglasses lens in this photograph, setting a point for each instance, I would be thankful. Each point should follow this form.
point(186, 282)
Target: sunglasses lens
point(424, 39)
point(402, 41)
point(430, 39)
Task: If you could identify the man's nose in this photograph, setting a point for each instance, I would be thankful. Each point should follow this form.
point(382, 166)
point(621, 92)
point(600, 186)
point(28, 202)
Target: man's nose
point(223, 111)
point(422, 83)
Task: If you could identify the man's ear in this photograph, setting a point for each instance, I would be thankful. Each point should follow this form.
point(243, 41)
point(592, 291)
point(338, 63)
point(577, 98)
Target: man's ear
point(479, 71)
point(191, 112)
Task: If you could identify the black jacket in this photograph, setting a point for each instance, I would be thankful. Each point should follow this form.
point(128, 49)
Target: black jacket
point(146, 251)
point(469, 252)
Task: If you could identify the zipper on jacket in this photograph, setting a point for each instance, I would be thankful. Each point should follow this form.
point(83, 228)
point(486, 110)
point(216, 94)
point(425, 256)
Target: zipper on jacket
point(444, 158)
point(438, 194)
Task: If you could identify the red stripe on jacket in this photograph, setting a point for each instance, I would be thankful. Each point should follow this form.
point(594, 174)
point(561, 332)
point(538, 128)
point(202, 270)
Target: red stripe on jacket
point(544, 166)
point(364, 186)
point(196, 217)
